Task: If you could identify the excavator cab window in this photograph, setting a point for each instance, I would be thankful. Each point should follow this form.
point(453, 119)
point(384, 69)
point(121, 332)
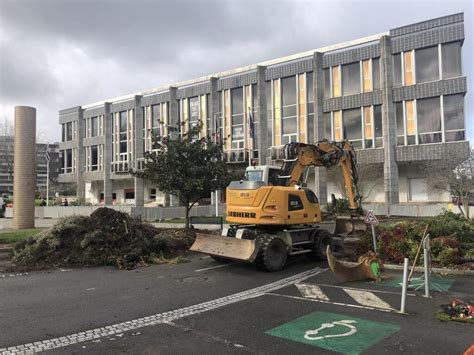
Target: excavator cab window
point(294, 203)
point(311, 196)
point(254, 175)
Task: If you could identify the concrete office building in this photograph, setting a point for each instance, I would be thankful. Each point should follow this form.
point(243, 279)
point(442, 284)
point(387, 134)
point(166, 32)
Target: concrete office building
point(398, 96)
point(7, 160)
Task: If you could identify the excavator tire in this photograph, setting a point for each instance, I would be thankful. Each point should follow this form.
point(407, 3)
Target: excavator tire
point(272, 254)
point(231, 234)
point(322, 239)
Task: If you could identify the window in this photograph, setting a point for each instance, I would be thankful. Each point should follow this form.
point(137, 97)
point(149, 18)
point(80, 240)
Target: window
point(327, 83)
point(337, 124)
point(351, 79)
point(352, 129)
point(310, 96)
point(378, 125)
point(368, 132)
point(93, 125)
point(327, 126)
point(237, 122)
point(289, 118)
point(336, 81)
point(427, 64)
point(453, 108)
point(156, 120)
point(68, 159)
point(310, 195)
point(400, 123)
point(397, 70)
point(276, 112)
point(429, 120)
point(418, 189)
point(123, 135)
point(152, 194)
point(451, 58)
point(63, 135)
point(410, 121)
point(366, 76)
point(94, 158)
point(193, 111)
point(376, 74)
point(69, 131)
point(408, 68)
point(294, 203)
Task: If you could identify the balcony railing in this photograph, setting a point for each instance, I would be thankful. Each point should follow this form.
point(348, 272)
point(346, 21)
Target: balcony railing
point(120, 167)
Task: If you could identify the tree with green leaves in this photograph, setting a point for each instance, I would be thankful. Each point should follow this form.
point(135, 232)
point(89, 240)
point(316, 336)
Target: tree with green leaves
point(187, 167)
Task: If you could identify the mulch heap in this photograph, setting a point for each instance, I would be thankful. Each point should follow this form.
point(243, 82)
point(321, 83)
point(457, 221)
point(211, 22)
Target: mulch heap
point(106, 237)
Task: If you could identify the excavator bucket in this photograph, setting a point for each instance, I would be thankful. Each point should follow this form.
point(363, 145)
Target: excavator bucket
point(226, 247)
point(349, 226)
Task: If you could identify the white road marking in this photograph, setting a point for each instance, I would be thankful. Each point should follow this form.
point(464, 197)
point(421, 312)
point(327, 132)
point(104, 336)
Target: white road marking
point(330, 302)
point(312, 291)
point(90, 289)
point(369, 290)
point(119, 328)
point(367, 299)
point(217, 266)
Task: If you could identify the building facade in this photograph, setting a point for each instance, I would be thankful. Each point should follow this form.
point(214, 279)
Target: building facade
point(397, 96)
point(7, 161)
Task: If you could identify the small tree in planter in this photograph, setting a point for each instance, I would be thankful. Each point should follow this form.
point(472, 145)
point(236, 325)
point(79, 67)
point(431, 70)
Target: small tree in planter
point(187, 167)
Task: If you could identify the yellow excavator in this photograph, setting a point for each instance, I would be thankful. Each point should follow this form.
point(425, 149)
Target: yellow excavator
point(272, 214)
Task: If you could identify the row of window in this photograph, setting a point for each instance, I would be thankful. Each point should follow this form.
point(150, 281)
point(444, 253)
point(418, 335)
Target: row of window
point(442, 61)
point(431, 120)
point(353, 78)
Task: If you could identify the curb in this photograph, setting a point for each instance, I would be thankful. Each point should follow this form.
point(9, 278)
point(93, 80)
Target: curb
point(437, 270)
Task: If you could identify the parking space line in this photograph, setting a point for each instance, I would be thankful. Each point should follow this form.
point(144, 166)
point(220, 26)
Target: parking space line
point(335, 303)
point(367, 299)
point(365, 289)
point(217, 266)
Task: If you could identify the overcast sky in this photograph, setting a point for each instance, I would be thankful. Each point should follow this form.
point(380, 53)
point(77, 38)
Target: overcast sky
point(55, 54)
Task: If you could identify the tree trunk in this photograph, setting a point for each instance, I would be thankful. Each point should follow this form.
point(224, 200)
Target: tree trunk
point(187, 216)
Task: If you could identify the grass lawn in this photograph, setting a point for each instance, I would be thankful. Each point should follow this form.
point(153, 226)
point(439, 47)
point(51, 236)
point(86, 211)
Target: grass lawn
point(17, 235)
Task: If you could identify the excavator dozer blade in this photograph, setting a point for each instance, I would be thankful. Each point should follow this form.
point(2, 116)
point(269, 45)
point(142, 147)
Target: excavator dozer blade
point(226, 247)
point(350, 226)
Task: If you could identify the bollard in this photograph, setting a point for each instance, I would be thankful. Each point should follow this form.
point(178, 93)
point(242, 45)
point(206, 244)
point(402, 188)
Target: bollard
point(405, 285)
point(374, 238)
point(426, 254)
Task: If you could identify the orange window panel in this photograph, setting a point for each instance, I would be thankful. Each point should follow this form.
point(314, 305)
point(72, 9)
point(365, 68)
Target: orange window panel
point(203, 116)
point(337, 125)
point(410, 117)
point(408, 63)
point(164, 118)
point(227, 119)
point(302, 107)
point(185, 116)
point(277, 112)
point(368, 123)
point(366, 75)
point(336, 82)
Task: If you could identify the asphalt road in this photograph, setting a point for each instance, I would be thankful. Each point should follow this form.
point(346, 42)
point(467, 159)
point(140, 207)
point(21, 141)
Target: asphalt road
point(205, 307)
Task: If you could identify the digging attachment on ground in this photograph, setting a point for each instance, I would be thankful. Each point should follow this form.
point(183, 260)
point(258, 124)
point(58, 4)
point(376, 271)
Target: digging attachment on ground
point(226, 247)
point(367, 268)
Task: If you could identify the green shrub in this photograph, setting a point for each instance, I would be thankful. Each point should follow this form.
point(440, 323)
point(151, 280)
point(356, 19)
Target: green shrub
point(341, 206)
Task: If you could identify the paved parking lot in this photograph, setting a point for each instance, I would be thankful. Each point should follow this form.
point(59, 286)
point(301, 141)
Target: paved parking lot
point(206, 307)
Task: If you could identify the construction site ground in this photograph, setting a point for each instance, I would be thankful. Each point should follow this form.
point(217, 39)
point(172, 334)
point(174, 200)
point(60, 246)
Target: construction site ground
point(207, 307)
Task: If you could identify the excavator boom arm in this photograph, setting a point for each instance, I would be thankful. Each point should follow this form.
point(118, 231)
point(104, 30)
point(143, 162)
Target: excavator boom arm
point(324, 153)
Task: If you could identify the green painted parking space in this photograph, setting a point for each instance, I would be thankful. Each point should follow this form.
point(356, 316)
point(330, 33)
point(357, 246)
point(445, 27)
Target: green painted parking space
point(336, 332)
point(437, 283)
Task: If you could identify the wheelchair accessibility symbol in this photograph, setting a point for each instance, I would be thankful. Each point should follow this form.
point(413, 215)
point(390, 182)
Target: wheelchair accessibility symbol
point(347, 324)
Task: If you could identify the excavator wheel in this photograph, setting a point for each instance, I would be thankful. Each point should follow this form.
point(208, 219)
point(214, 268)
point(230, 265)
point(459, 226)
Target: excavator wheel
point(322, 239)
point(272, 254)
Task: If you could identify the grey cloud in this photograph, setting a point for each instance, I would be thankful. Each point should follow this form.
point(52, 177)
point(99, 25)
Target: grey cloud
point(77, 52)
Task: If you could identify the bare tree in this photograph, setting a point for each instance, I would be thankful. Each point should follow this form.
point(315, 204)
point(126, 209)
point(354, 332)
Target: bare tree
point(370, 175)
point(457, 180)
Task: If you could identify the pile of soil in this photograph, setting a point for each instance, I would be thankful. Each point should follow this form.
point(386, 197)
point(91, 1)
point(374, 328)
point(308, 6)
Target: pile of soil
point(106, 237)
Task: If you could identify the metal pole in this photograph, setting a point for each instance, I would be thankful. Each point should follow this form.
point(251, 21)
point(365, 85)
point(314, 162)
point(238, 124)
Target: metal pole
point(47, 183)
point(217, 202)
point(405, 285)
point(426, 255)
point(374, 238)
